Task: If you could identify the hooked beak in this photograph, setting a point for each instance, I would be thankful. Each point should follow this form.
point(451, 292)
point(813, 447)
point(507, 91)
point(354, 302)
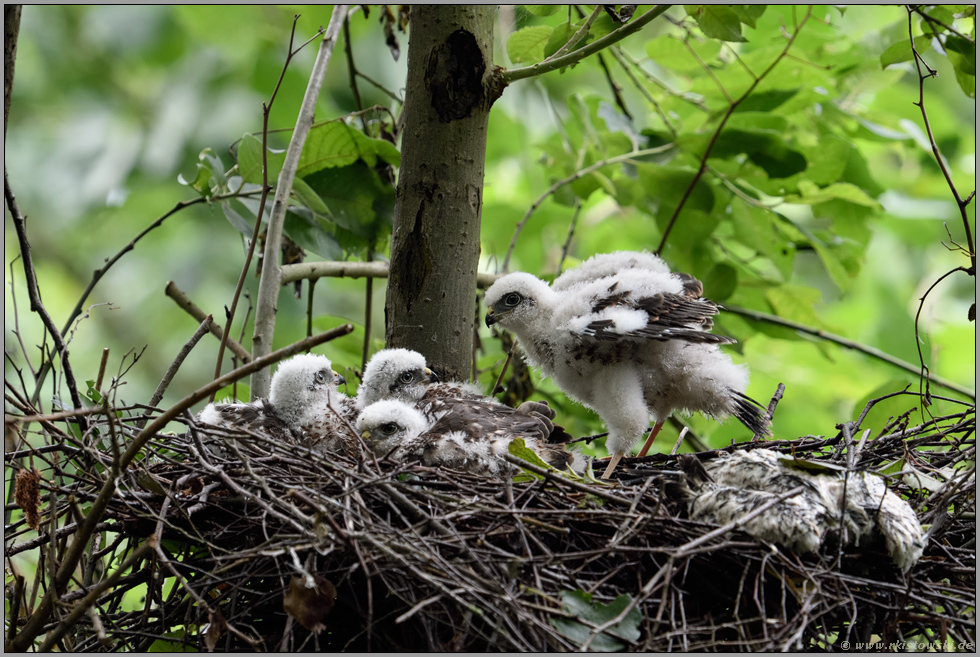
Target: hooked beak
point(432, 376)
point(365, 434)
point(491, 318)
point(339, 379)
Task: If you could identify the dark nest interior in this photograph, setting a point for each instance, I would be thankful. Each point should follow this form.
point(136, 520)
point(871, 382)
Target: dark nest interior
point(210, 537)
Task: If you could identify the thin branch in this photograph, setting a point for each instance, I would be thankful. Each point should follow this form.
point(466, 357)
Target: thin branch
point(771, 409)
point(89, 600)
point(923, 368)
point(34, 293)
point(352, 70)
point(721, 126)
point(960, 202)
point(614, 86)
point(615, 36)
point(309, 306)
point(368, 303)
point(266, 109)
point(850, 344)
point(194, 311)
point(503, 370)
point(692, 99)
point(181, 355)
point(936, 21)
point(643, 91)
point(100, 272)
point(578, 36)
point(344, 269)
point(37, 620)
point(571, 233)
point(269, 284)
point(548, 474)
point(626, 157)
point(20, 337)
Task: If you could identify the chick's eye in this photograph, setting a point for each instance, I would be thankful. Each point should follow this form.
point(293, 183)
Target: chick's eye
point(406, 377)
point(512, 299)
point(321, 376)
point(389, 429)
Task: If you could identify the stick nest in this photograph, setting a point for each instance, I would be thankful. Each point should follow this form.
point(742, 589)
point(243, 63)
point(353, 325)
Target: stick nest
point(370, 554)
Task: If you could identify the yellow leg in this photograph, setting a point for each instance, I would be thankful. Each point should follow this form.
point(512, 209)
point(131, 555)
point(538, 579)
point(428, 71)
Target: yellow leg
point(653, 435)
point(613, 460)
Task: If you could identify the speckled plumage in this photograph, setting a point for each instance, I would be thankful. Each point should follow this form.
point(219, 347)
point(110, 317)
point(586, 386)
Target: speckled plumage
point(304, 407)
point(863, 510)
point(467, 435)
point(394, 374)
point(627, 338)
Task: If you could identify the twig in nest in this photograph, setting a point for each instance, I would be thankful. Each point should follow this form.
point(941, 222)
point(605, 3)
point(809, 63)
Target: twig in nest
point(771, 410)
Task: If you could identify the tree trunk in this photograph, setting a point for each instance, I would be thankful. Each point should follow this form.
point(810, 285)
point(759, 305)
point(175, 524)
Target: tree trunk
point(435, 244)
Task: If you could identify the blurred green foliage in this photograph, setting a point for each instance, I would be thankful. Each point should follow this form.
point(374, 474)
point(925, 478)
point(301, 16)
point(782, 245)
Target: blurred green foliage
point(821, 200)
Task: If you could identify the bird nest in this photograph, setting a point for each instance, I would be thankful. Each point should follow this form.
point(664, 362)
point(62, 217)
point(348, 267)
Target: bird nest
point(225, 540)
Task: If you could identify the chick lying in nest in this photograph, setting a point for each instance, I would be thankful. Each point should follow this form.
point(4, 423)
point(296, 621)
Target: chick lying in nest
point(857, 505)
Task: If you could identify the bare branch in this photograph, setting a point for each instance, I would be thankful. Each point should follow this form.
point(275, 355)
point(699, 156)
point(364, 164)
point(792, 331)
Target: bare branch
point(269, 284)
point(850, 344)
point(721, 126)
point(194, 311)
point(181, 355)
point(960, 202)
point(36, 622)
point(574, 57)
point(344, 269)
point(266, 108)
point(626, 157)
point(37, 305)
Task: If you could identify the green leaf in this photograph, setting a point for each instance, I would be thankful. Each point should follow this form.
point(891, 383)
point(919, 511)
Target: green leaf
point(559, 37)
point(239, 216)
point(810, 194)
point(940, 13)
point(671, 52)
point(796, 303)
point(308, 197)
point(336, 144)
point(209, 167)
point(525, 453)
point(748, 13)
point(581, 605)
point(92, 393)
point(542, 10)
point(721, 281)
point(964, 69)
point(526, 45)
point(765, 101)
point(902, 50)
point(720, 22)
point(250, 161)
point(666, 185)
point(226, 394)
point(304, 228)
point(778, 161)
point(965, 48)
point(754, 228)
point(833, 265)
point(357, 200)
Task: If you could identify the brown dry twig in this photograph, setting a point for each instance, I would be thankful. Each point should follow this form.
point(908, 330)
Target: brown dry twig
point(434, 559)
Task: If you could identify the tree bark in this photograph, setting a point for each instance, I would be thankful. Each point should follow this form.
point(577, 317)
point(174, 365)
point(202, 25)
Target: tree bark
point(435, 247)
point(11, 29)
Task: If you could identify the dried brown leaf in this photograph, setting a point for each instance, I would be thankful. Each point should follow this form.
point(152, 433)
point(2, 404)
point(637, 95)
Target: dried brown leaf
point(310, 606)
point(27, 494)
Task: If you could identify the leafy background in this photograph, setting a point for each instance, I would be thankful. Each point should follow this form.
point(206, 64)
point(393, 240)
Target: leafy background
point(822, 202)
